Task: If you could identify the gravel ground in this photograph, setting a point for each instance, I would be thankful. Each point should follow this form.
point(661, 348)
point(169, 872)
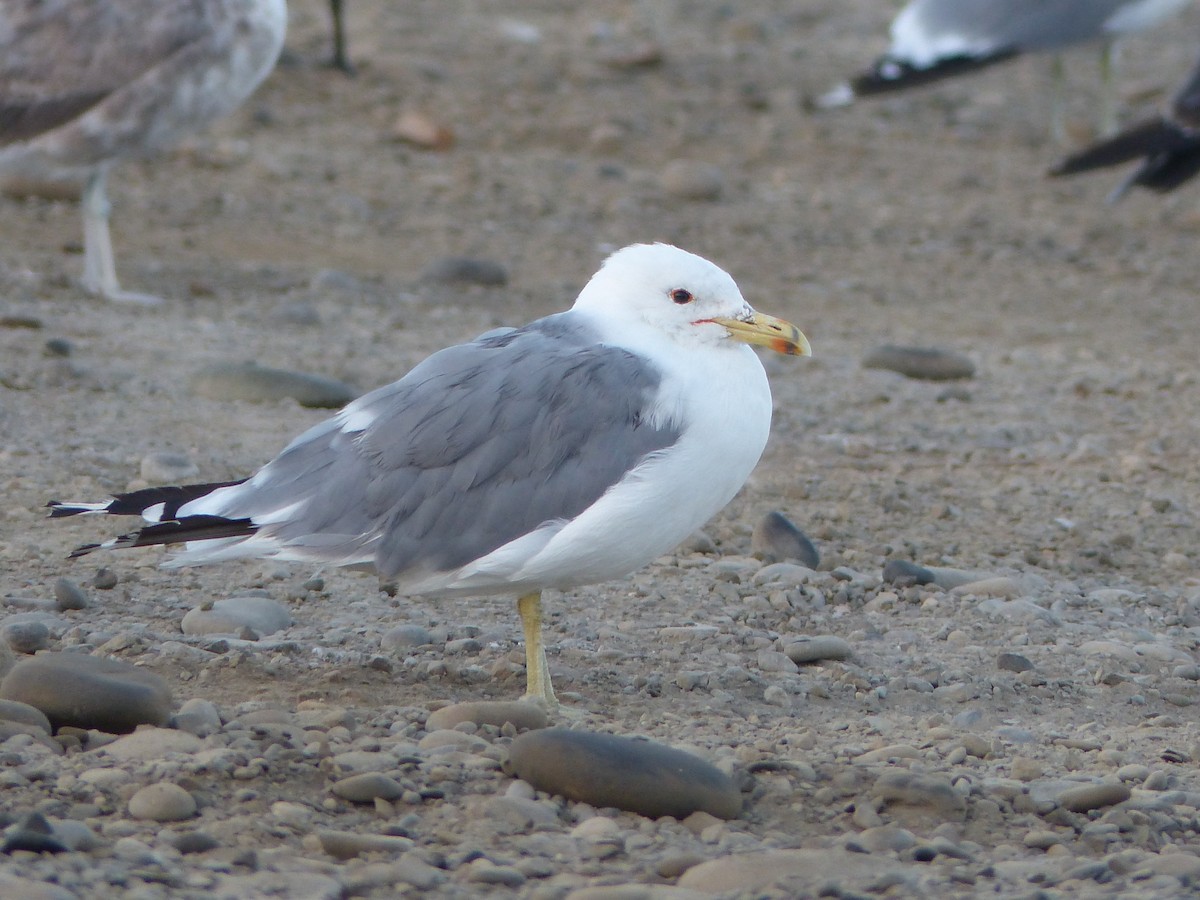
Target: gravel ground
point(1022, 725)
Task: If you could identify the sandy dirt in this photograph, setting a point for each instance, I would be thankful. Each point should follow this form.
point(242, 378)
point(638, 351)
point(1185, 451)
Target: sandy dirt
point(1067, 463)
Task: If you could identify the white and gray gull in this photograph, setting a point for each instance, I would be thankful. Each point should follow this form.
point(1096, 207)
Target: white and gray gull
point(936, 39)
point(570, 451)
point(84, 85)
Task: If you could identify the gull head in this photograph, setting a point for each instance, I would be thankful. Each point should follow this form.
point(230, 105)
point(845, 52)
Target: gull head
point(685, 297)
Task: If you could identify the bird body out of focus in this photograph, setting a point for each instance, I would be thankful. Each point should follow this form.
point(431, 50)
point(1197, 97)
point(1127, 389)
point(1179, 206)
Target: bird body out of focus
point(1167, 145)
point(84, 85)
point(932, 40)
point(570, 451)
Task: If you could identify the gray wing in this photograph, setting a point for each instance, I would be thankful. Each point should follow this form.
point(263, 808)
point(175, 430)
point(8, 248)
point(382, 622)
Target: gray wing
point(1018, 25)
point(475, 447)
point(59, 58)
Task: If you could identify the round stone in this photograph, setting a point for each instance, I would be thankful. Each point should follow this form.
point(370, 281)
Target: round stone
point(258, 384)
point(367, 787)
point(903, 573)
point(69, 595)
point(523, 716)
point(1013, 662)
point(15, 711)
point(403, 637)
point(89, 692)
point(26, 637)
point(162, 802)
point(635, 775)
point(776, 539)
point(262, 615)
point(1093, 796)
point(927, 363)
point(803, 650)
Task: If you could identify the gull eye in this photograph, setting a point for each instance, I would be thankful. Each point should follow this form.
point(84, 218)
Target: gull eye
point(680, 296)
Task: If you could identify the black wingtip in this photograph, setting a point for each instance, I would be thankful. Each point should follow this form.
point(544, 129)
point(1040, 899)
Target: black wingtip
point(889, 74)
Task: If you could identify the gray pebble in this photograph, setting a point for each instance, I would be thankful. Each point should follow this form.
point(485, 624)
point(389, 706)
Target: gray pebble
point(58, 347)
point(403, 637)
point(367, 787)
point(258, 384)
point(197, 716)
point(162, 802)
point(691, 179)
point(104, 579)
point(349, 844)
point(26, 637)
point(808, 873)
point(23, 713)
point(262, 615)
point(194, 842)
point(903, 573)
point(636, 775)
point(523, 716)
point(927, 363)
point(803, 650)
point(8, 659)
point(68, 595)
point(1093, 796)
point(1013, 662)
point(466, 270)
point(776, 539)
point(89, 691)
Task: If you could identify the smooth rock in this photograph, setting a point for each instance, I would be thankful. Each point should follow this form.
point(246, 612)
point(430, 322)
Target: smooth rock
point(606, 770)
point(466, 270)
point(807, 649)
point(691, 179)
point(262, 615)
point(404, 637)
point(187, 842)
point(24, 714)
point(349, 844)
point(197, 716)
point(367, 787)
point(162, 802)
point(25, 637)
point(524, 716)
point(807, 872)
point(152, 744)
point(89, 692)
point(926, 363)
point(69, 596)
point(1013, 662)
point(257, 384)
point(1093, 796)
point(637, 892)
point(775, 539)
point(903, 573)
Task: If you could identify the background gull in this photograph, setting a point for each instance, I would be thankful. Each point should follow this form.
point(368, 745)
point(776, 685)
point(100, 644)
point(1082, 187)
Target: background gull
point(84, 85)
point(1168, 145)
point(570, 451)
point(936, 39)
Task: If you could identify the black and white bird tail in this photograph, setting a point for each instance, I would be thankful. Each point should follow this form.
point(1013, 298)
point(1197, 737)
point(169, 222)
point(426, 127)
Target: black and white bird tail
point(160, 507)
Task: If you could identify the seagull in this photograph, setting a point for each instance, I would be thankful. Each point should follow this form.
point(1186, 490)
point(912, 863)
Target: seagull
point(570, 451)
point(937, 39)
point(1168, 144)
point(84, 85)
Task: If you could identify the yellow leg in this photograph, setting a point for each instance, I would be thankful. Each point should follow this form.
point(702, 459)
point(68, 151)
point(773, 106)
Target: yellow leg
point(537, 673)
